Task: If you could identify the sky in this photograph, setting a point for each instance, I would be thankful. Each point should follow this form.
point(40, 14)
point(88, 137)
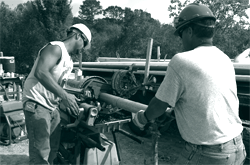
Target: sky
point(157, 8)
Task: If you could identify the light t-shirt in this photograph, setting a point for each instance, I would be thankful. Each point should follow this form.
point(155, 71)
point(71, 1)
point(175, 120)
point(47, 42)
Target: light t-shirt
point(34, 90)
point(200, 84)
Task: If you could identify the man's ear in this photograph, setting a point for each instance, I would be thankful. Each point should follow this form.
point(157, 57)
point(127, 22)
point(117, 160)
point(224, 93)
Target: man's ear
point(77, 36)
point(190, 32)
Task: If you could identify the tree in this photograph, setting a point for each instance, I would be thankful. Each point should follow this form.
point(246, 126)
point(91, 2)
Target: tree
point(7, 17)
point(227, 12)
point(54, 16)
point(105, 40)
point(108, 38)
point(234, 41)
point(168, 42)
point(231, 23)
point(30, 26)
point(89, 9)
point(114, 12)
point(138, 27)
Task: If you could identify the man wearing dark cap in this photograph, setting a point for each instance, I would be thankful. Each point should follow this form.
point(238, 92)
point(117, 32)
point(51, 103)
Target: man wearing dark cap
point(200, 86)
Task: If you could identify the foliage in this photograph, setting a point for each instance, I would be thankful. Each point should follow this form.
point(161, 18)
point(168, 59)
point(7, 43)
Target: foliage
point(53, 16)
point(6, 30)
point(234, 41)
point(89, 9)
point(227, 12)
point(107, 40)
point(168, 42)
point(231, 25)
point(138, 28)
point(114, 12)
point(29, 39)
point(30, 26)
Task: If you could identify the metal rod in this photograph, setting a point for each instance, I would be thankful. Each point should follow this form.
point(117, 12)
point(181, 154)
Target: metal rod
point(122, 103)
point(158, 53)
point(112, 59)
point(155, 136)
point(147, 65)
point(116, 144)
point(240, 69)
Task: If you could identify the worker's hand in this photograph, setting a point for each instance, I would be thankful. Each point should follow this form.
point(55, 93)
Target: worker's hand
point(139, 119)
point(71, 105)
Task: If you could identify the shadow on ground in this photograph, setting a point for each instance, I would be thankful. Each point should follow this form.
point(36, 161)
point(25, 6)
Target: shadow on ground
point(14, 159)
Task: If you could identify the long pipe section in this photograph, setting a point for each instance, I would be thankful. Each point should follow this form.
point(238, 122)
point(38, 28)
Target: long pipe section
point(240, 69)
point(122, 103)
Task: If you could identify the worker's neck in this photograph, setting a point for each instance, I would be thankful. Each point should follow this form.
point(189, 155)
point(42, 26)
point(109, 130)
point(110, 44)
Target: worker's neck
point(70, 46)
point(202, 42)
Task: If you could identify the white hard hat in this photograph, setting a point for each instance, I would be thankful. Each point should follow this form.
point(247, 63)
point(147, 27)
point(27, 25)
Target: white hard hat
point(85, 31)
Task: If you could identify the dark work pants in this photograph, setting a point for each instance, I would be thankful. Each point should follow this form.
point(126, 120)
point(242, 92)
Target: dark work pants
point(44, 131)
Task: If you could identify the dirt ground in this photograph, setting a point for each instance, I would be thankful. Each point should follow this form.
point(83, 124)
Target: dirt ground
point(132, 153)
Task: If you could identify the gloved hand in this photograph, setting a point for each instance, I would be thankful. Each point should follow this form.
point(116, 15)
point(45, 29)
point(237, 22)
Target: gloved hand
point(139, 119)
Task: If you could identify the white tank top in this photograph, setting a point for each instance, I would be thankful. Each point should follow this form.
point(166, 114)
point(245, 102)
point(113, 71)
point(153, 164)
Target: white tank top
point(34, 90)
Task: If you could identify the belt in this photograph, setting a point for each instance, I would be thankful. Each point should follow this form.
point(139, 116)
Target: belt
point(234, 140)
point(36, 104)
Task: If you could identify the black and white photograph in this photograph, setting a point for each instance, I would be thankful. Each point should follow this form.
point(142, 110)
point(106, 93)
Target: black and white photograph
point(125, 82)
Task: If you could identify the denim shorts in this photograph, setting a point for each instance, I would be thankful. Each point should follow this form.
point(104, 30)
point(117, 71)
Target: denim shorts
point(228, 153)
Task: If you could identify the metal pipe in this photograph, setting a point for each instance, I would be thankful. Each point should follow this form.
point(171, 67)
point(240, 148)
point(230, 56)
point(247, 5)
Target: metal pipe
point(241, 78)
point(240, 69)
point(147, 65)
point(116, 144)
point(122, 103)
point(158, 54)
point(112, 59)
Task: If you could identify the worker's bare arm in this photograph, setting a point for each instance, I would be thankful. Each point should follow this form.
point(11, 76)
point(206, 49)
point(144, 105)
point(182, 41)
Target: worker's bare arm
point(49, 58)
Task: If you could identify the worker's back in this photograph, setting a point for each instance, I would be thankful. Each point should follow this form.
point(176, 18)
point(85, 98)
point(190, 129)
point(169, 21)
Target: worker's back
point(206, 105)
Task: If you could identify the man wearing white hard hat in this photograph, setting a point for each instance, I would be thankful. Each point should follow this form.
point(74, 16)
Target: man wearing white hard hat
point(42, 93)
